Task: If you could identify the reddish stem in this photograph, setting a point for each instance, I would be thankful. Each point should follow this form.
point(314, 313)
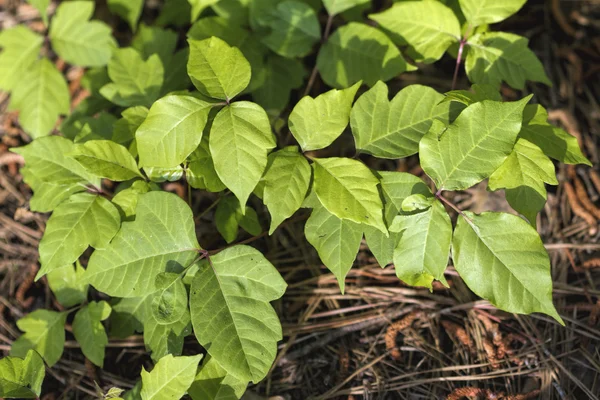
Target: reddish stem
point(461, 47)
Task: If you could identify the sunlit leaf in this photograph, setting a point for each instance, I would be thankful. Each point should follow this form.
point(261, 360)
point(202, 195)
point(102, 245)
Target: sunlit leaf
point(165, 241)
point(502, 259)
point(231, 314)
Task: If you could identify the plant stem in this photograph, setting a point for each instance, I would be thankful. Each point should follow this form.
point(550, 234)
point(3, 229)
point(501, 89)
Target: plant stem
point(461, 47)
point(438, 195)
point(213, 205)
point(313, 74)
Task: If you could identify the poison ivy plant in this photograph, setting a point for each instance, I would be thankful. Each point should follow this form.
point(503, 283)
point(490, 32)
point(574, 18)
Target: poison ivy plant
point(44, 333)
point(160, 142)
point(77, 40)
point(499, 56)
point(20, 50)
point(348, 190)
point(358, 52)
point(229, 218)
point(316, 123)
point(336, 241)
point(51, 174)
point(474, 145)
point(67, 285)
point(513, 259)
point(235, 116)
point(285, 184)
point(89, 332)
point(91, 219)
point(214, 382)
point(294, 29)
point(428, 27)
point(393, 129)
point(129, 10)
point(170, 378)
point(235, 288)
point(165, 242)
point(22, 377)
point(41, 98)
point(134, 82)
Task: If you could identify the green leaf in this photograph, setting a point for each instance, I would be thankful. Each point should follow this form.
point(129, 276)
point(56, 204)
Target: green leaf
point(502, 259)
point(163, 339)
point(473, 146)
point(282, 75)
point(479, 12)
point(172, 130)
point(176, 77)
point(199, 5)
point(316, 123)
point(422, 253)
point(200, 172)
point(456, 101)
point(174, 12)
point(21, 48)
point(248, 43)
point(80, 41)
point(125, 128)
point(428, 27)
point(393, 129)
point(170, 378)
point(553, 141)
point(294, 29)
point(134, 392)
point(234, 11)
point(417, 202)
point(229, 217)
point(40, 98)
point(286, 182)
point(107, 159)
point(22, 377)
point(494, 57)
point(335, 7)
point(523, 175)
point(348, 190)
point(129, 10)
point(155, 40)
point(156, 174)
point(89, 331)
point(44, 333)
point(135, 82)
point(240, 139)
point(217, 69)
point(170, 302)
point(81, 221)
point(52, 176)
point(396, 188)
point(213, 382)
point(41, 6)
point(231, 314)
point(165, 241)
point(99, 127)
point(127, 199)
point(67, 285)
point(336, 240)
point(128, 316)
point(358, 52)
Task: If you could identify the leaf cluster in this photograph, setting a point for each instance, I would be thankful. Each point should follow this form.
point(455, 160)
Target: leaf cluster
point(214, 111)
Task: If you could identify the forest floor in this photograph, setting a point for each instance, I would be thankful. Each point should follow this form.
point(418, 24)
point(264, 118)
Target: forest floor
point(383, 339)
